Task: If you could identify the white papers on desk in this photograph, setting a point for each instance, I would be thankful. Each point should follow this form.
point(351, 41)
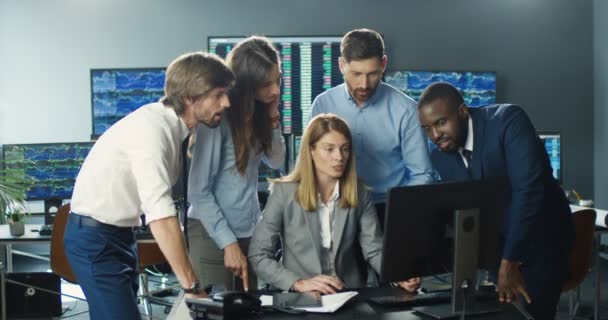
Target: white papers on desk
point(601, 219)
point(179, 310)
point(266, 300)
point(330, 303)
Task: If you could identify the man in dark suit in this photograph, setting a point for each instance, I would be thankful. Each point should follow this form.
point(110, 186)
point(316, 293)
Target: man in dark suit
point(500, 141)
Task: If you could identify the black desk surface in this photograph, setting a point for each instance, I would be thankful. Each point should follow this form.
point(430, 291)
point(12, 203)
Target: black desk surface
point(360, 308)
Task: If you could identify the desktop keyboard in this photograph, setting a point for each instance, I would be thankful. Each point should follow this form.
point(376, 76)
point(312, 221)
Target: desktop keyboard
point(428, 298)
point(413, 299)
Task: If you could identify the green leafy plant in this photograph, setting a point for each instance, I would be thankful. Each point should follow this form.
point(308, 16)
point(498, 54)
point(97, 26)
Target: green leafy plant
point(13, 186)
point(17, 215)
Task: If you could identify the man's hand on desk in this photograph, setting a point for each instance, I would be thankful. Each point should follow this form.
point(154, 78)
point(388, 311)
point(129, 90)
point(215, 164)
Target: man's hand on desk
point(321, 283)
point(411, 285)
point(510, 282)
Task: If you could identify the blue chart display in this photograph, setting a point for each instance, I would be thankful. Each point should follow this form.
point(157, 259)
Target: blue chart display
point(553, 145)
point(478, 88)
point(309, 66)
point(117, 92)
point(53, 166)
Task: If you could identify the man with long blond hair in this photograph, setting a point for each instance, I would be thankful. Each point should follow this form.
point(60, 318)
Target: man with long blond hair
point(325, 217)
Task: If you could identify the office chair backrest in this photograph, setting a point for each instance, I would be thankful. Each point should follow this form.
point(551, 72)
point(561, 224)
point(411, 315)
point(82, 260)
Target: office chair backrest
point(149, 254)
point(59, 262)
point(581, 254)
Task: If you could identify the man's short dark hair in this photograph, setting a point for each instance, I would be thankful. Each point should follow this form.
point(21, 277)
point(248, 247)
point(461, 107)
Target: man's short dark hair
point(441, 90)
point(361, 44)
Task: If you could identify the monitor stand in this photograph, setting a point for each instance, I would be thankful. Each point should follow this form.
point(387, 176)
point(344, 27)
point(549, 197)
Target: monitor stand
point(464, 277)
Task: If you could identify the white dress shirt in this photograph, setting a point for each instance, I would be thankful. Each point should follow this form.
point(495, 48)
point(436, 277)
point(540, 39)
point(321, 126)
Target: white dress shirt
point(326, 212)
point(468, 144)
point(132, 168)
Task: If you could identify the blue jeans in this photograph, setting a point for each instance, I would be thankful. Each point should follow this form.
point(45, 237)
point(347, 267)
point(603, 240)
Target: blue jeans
point(104, 260)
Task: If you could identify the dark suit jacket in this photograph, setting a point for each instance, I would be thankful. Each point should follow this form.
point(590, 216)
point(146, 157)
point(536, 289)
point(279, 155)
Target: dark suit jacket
point(537, 220)
point(356, 235)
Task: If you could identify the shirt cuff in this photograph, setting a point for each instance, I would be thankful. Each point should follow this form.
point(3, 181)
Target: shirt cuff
point(512, 251)
point(288, 281)
point(162, 209)
point(223, 237)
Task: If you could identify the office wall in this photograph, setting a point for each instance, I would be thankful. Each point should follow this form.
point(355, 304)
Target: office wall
point(541, 50)
point(600, 84)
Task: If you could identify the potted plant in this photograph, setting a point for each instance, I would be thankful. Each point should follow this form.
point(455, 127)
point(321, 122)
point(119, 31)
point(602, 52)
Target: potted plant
point(13, 186)
point(16, 221)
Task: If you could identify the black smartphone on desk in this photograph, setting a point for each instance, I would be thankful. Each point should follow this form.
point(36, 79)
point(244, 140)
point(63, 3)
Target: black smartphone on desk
point(296, 299)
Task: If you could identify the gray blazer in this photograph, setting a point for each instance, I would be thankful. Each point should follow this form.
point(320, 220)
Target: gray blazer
point(356, 234)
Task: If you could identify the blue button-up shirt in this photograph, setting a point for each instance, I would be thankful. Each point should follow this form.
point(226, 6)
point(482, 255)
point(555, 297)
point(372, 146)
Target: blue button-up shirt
point(389, 144)
point(225, 201)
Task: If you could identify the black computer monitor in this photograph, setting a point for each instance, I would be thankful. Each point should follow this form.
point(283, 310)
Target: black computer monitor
point(445, 227)
point(553, 146)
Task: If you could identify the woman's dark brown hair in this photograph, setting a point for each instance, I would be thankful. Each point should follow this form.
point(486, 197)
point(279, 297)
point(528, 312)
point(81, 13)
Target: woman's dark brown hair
point(251, 60)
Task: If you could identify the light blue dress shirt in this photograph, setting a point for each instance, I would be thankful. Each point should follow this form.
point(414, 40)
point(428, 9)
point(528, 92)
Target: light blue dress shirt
point(389, 144)
point(225, 201)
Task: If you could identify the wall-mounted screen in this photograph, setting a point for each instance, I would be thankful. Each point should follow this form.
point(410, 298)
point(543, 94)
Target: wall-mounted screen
point(309, 66)
point(53, 166)
point(117, 92)
point(478, 88)
point(553, 145)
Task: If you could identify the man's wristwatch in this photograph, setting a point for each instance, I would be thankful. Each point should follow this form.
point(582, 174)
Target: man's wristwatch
point(195, 288)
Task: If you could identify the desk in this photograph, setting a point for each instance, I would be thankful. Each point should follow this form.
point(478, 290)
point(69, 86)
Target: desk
point(7, 240)
point(33, 237)
point(30, 237)
point(358, 308)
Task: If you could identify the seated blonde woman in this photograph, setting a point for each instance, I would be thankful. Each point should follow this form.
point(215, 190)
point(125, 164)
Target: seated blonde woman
point(325, 217)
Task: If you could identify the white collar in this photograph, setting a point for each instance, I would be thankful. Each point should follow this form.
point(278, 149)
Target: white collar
point(468, 144)
point(335, 195)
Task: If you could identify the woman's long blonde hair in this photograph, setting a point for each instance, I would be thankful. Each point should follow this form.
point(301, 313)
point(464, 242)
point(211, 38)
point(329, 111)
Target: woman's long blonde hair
point(304, 171)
